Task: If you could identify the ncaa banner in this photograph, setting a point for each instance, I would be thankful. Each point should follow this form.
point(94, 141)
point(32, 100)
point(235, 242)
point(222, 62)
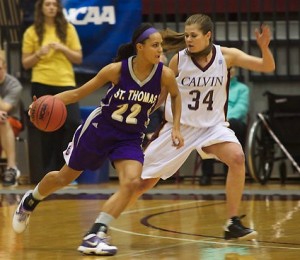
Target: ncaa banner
point(102, 26)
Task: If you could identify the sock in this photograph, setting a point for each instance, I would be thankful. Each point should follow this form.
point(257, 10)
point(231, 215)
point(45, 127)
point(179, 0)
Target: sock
point(36, 194)
point(104, 218)
point(231, 220)
point(101, 224)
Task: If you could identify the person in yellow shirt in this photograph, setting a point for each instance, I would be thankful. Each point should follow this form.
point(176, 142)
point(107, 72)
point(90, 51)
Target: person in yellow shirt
point(50, 48)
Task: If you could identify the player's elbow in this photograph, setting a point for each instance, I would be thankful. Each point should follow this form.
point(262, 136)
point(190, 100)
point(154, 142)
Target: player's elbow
point(269, 67)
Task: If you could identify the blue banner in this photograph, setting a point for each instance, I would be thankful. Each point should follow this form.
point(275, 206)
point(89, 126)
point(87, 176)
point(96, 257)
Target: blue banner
point(102, 26)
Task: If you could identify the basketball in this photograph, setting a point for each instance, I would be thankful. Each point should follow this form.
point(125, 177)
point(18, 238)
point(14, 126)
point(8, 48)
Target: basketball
point(48, 113)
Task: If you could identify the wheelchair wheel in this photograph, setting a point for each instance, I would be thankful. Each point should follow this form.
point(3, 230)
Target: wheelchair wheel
point(260, 152)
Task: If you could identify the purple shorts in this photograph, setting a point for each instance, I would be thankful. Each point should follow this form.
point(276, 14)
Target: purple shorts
point(94, 142)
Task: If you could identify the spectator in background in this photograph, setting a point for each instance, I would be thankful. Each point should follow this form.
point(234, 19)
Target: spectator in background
point(10, 124)
point(238, 107)
point(50, 48)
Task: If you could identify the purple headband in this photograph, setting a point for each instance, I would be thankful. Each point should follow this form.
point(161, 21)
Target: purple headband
point(146, 34)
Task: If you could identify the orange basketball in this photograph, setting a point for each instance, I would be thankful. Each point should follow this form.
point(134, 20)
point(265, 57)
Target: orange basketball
point(48, 113)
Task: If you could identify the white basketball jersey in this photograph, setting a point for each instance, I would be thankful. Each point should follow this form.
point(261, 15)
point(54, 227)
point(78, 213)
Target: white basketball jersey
point(204, 91)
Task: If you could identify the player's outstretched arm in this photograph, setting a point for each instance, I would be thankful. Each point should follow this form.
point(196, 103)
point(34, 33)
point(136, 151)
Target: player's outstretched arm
point(109, 73)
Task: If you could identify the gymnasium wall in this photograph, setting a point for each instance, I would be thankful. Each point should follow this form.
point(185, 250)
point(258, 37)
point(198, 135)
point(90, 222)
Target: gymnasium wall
point(235, 22)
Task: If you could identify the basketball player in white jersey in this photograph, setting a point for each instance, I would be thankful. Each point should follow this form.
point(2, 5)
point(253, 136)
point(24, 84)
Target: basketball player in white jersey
point(202, 70)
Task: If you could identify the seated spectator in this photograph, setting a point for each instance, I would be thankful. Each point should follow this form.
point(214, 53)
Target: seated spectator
point(238, 106)
point(10, 124)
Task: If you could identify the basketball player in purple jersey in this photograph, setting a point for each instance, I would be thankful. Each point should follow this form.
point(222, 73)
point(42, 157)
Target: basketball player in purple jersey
point(114, 130)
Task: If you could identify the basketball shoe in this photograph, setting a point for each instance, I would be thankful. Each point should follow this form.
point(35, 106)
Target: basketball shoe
point(11, 176)
point(93, 244)
point(21, 216)
point(234, 229)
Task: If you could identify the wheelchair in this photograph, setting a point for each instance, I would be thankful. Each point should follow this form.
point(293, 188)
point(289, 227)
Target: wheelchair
point(274, 138)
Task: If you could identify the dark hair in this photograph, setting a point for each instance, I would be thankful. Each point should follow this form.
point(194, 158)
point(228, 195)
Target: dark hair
point(128, 49)
point(174, 41)
point(59, 20)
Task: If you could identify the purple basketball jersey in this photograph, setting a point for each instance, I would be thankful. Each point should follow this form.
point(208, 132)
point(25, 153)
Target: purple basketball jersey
point(128, 104)
point(115, 130)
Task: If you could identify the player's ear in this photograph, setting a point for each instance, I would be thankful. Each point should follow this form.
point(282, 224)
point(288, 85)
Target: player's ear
point(139, 46)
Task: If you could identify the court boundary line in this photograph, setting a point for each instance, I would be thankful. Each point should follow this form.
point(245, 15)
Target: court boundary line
point(76, 190)
point(256, 244)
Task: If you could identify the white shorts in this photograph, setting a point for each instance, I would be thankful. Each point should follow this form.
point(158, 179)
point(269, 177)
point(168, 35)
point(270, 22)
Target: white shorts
point(162, 159)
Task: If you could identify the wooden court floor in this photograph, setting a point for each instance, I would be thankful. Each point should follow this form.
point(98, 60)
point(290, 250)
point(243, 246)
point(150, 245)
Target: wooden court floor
point(172, 221)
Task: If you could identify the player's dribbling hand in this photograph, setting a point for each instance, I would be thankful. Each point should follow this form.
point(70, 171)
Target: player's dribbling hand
point(177, 139)
point(30, 106)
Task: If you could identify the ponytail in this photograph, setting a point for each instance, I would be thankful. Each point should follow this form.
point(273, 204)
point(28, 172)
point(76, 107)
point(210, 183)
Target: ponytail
point(172, 41)
point(141, 34)
point(124, 52)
